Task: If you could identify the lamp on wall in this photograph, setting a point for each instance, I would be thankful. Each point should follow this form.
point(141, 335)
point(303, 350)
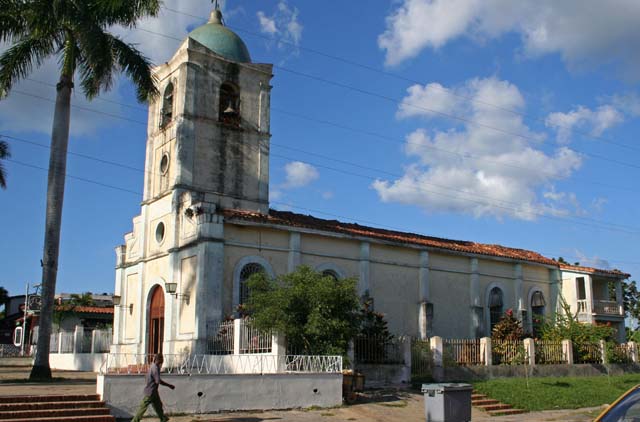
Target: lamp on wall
point(116, 303)
point(172, 288)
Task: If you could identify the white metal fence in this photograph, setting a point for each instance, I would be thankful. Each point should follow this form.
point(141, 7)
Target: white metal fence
point(220, 335)
point(83, 341)
point(118, 364)
point(253, 340)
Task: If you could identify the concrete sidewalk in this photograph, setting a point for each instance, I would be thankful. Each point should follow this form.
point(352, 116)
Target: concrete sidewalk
point(392, 405)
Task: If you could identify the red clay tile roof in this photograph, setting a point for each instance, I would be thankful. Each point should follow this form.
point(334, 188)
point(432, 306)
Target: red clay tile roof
point(94, 309)
point(596, 271)
point(290, 219)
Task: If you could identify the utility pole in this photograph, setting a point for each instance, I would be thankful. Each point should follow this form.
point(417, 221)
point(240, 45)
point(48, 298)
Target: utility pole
point(24, 321)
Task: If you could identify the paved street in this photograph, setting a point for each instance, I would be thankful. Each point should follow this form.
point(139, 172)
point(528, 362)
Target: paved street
point(374, 406)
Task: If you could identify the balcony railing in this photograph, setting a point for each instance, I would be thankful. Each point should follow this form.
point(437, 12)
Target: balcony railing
point(607, 307)
point(601, 307)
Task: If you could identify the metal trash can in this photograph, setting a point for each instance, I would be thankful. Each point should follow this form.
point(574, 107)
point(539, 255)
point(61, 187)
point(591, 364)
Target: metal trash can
point(447, 402)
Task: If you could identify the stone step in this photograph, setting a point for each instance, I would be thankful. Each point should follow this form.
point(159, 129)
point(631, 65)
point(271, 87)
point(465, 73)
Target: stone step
point(52, 398)
point(96, 418)
point(54, 413)
point(483, 402)
point(497, 406)
point(37, 405)
point(478, 396)
point(506, 412)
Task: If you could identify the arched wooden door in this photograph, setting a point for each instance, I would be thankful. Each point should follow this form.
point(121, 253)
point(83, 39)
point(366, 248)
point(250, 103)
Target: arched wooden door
point(156, 322)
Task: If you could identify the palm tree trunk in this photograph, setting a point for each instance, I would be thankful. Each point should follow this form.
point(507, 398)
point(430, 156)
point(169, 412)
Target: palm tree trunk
point(55, 197)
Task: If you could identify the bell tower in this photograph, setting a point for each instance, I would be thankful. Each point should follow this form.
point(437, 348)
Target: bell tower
point(207, 150)
point(208, 132)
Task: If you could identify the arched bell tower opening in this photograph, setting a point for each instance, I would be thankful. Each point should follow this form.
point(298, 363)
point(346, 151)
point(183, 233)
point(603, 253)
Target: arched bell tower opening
point(155, 327)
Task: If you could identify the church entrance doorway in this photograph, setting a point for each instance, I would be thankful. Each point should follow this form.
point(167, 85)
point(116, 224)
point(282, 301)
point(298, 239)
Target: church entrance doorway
point(156, 322)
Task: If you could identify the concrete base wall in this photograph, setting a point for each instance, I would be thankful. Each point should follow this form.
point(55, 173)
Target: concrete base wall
point(22, 361)
point(198, 394)
point(384, 375)
point(77, 361)
point(473, 373)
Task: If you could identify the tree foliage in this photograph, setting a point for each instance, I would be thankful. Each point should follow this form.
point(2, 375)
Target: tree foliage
point(318, 314)
point(4, 154)
point(566, 326)
point(508, 328)
point(77, 34)
point(68, 309)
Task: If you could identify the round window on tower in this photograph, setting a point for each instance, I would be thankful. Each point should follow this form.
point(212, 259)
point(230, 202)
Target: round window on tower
point(160, 232)
point(164, 164)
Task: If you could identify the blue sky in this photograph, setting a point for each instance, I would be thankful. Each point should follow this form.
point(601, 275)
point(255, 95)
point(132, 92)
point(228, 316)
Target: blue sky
point(493, 121)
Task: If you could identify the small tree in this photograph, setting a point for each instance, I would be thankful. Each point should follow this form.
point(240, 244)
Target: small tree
point(567, 327)
point(317, 314)
point(373, 336)
point(506, 345)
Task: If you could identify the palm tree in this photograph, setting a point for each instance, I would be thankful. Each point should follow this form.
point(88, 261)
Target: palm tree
point(76, 32)
point(4, 153)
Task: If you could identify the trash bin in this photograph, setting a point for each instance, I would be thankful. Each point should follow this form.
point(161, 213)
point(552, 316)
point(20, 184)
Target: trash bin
point(447, 402)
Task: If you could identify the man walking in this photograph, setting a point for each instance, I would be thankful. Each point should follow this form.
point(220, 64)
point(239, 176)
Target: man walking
point(151, 396)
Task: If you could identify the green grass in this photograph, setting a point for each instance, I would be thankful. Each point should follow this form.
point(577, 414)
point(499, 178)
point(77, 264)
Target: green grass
point(557, 393)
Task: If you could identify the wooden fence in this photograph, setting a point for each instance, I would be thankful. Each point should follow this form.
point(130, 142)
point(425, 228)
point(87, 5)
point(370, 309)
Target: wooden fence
point(548, 352)
point(463, 352)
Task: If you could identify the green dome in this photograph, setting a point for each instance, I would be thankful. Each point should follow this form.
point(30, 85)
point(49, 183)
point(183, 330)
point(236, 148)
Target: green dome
point(221, 40)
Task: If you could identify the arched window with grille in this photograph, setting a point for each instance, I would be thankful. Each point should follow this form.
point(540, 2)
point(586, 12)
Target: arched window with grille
point(331, 273)
point(167, 105)
point(246, 273)
point(538, 305)
point(229, 104)
point(496, 307)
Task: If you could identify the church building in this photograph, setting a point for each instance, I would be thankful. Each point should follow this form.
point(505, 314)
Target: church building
point(205, 226)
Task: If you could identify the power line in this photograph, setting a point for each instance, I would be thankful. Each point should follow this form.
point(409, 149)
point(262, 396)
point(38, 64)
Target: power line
point(82, 179)
point(91, 110)
point(463, 155)
point(405, 79)
point(106, 100)
point(486, 202)
point(400, 102)
point(284, 204)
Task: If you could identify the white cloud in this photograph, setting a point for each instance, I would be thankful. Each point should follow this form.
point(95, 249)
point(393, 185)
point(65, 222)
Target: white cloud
point(267, 25)
point(34, 97)
point(474, 169)
point(326, 195)
point(583, 32)
point(282, 24)
point(582, 118)
point(17, 111)
point(299, 174)
point(592, 261)
point(629, 103)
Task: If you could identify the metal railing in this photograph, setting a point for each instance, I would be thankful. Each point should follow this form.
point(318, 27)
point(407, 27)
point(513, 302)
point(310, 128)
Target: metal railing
point(135, 364)
point(618, 353)
point(549, 352)
point(10, 351)
point(607, 307)
point(87, 339)
point(253, 340)
point(378, 350)
point(421, 358)
point(587, 353)
point(582, 306)
point(508, 352)
point(464, 352)
point(220, 337)
point(102, 341)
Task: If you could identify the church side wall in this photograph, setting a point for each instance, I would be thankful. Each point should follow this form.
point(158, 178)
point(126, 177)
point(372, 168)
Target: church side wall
point(393, 275)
